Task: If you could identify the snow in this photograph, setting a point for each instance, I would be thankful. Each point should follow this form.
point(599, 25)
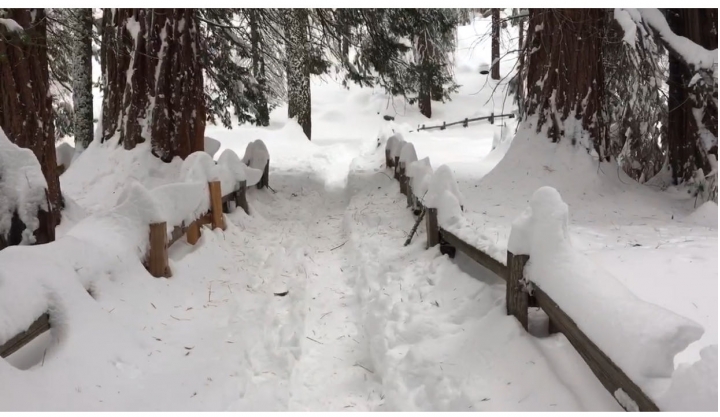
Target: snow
point(627, 24)
point(367, 324)
point(211, 145)
point(705, 215)
point(641, 338)
point(22, 188)
point(256, 155)
point(442, 180)
point(65, 154)
point(408, 154)
point(11, 25)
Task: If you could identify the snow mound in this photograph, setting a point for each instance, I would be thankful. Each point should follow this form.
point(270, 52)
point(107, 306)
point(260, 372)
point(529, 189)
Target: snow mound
point(694, 387)
point(22, 189)
point(199, 166)
point(640, 337)
point(420, 173)
point(705, 215)
point(256, 155)
point(442, 180)
point(408, 154)
point(212, 145)
point(65, 154)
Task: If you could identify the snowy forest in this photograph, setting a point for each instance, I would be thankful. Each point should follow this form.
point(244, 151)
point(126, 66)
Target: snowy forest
point(358, 209)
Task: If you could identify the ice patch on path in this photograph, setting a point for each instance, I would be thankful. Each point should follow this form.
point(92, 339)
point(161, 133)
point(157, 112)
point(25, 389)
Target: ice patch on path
point(641, 338)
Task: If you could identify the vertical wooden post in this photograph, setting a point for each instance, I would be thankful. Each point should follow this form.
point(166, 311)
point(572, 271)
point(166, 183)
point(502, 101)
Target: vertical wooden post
point(409, 193)
point(515, 298)
point(388, 160)
point(218, 221)
point(241, 197)
point(265, 180)
point(397, 162)
point(157, 257)
point(431, 224)
point(193, 233)
point(403, 179)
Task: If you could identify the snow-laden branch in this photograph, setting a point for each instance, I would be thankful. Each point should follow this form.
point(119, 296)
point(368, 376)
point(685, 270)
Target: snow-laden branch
point(10, 25)
point(691, 53)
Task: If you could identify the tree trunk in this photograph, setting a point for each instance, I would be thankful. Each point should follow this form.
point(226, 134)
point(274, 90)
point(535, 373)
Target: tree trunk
point(686, 153)
point(298, 70)
point(82, 78)
point(26, 105)
point(262, 114)
point(520, 92)
point(495, 72)
point(154, 85)
point(422, 48)
point(344, 33)
point(564, 83)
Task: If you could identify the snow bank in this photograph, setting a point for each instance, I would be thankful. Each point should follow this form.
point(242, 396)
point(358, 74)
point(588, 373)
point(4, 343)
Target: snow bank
point(641, 338)
point(65, 154)
point(705, 215)
point(694, 387)
point(22, 188)
point(212, 145)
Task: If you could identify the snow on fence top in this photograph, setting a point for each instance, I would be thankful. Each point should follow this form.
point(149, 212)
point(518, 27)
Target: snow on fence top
point(211, 145)
point(640, 337)
point(420, 173)
point(408, 154)
point(256, 155)
point(442, 180)
point(22, 188)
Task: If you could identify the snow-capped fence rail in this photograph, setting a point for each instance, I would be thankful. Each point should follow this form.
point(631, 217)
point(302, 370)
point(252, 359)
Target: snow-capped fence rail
point(415, 176)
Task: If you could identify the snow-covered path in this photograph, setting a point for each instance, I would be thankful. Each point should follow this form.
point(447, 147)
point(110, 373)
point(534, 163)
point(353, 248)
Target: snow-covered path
point(311, 356)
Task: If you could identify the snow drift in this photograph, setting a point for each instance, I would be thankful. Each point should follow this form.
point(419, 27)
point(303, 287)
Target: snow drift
point(641, 338)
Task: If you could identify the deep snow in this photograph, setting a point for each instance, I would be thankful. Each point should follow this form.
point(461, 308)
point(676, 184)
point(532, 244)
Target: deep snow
point(360, 322)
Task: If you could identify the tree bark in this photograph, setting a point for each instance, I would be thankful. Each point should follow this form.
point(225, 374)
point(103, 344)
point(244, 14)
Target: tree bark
point(686, 153)
point(564, 83)
point(495, 72)
point(82, 78)
point(153, 80)
point(521, 69)
point(298, 76)
point(262, 113)
point(26, 105)
point(423, 47)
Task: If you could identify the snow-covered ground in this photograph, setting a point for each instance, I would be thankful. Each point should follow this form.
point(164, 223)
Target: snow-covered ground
point(313, 303)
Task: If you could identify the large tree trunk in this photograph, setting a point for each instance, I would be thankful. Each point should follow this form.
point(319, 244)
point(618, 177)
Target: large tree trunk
point(153, 80)
point(423, 50)
point(686, 151)
point(520, 92)
point(298, 69)
point(495, 72)
point(82, 78)
point(26, 105)
point(565, 75)
point(262, 113)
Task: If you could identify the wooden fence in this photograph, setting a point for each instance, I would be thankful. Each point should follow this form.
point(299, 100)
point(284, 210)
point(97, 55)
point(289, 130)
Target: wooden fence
point(518, 300)
point(156, 258)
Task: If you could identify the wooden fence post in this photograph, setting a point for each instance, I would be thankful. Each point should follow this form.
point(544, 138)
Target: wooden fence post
point(403, 179)
point(409, 193)
point(388, 160)
point(241, 198)
point(397, 162)
point(193, 232)
point(218, 221)
point(431, 224)
point(157, 256)
point(516, 298)
point(265, 179)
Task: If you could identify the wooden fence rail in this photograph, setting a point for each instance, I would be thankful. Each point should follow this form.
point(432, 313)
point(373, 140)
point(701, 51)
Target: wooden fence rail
point(518, 300)
point(156, 259)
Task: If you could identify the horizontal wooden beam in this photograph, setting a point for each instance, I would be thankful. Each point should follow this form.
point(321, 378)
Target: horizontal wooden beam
point(497, 267)
point(39, 326)
point(609, 374)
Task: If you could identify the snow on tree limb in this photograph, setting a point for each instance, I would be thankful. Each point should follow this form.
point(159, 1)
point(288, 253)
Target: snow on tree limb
point(10, 25)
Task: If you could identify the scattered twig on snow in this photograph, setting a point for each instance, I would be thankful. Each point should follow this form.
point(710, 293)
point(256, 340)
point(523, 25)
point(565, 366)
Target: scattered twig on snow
point(281, 294)
point(415, 227)
point(314, 340)
point(321, 317)
point(153, 306)
point(43, 360)
point(179, 319)
point(357, 364)
point(340, 246)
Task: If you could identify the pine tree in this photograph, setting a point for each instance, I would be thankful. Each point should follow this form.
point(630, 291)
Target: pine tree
point(298, 76)
point(82, 77)
point(565, 75)
point(26, 105)
point(262, 113)
point(153, 81)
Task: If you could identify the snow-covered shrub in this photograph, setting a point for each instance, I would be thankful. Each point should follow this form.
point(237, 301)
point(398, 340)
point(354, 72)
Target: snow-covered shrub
point(22, 189)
